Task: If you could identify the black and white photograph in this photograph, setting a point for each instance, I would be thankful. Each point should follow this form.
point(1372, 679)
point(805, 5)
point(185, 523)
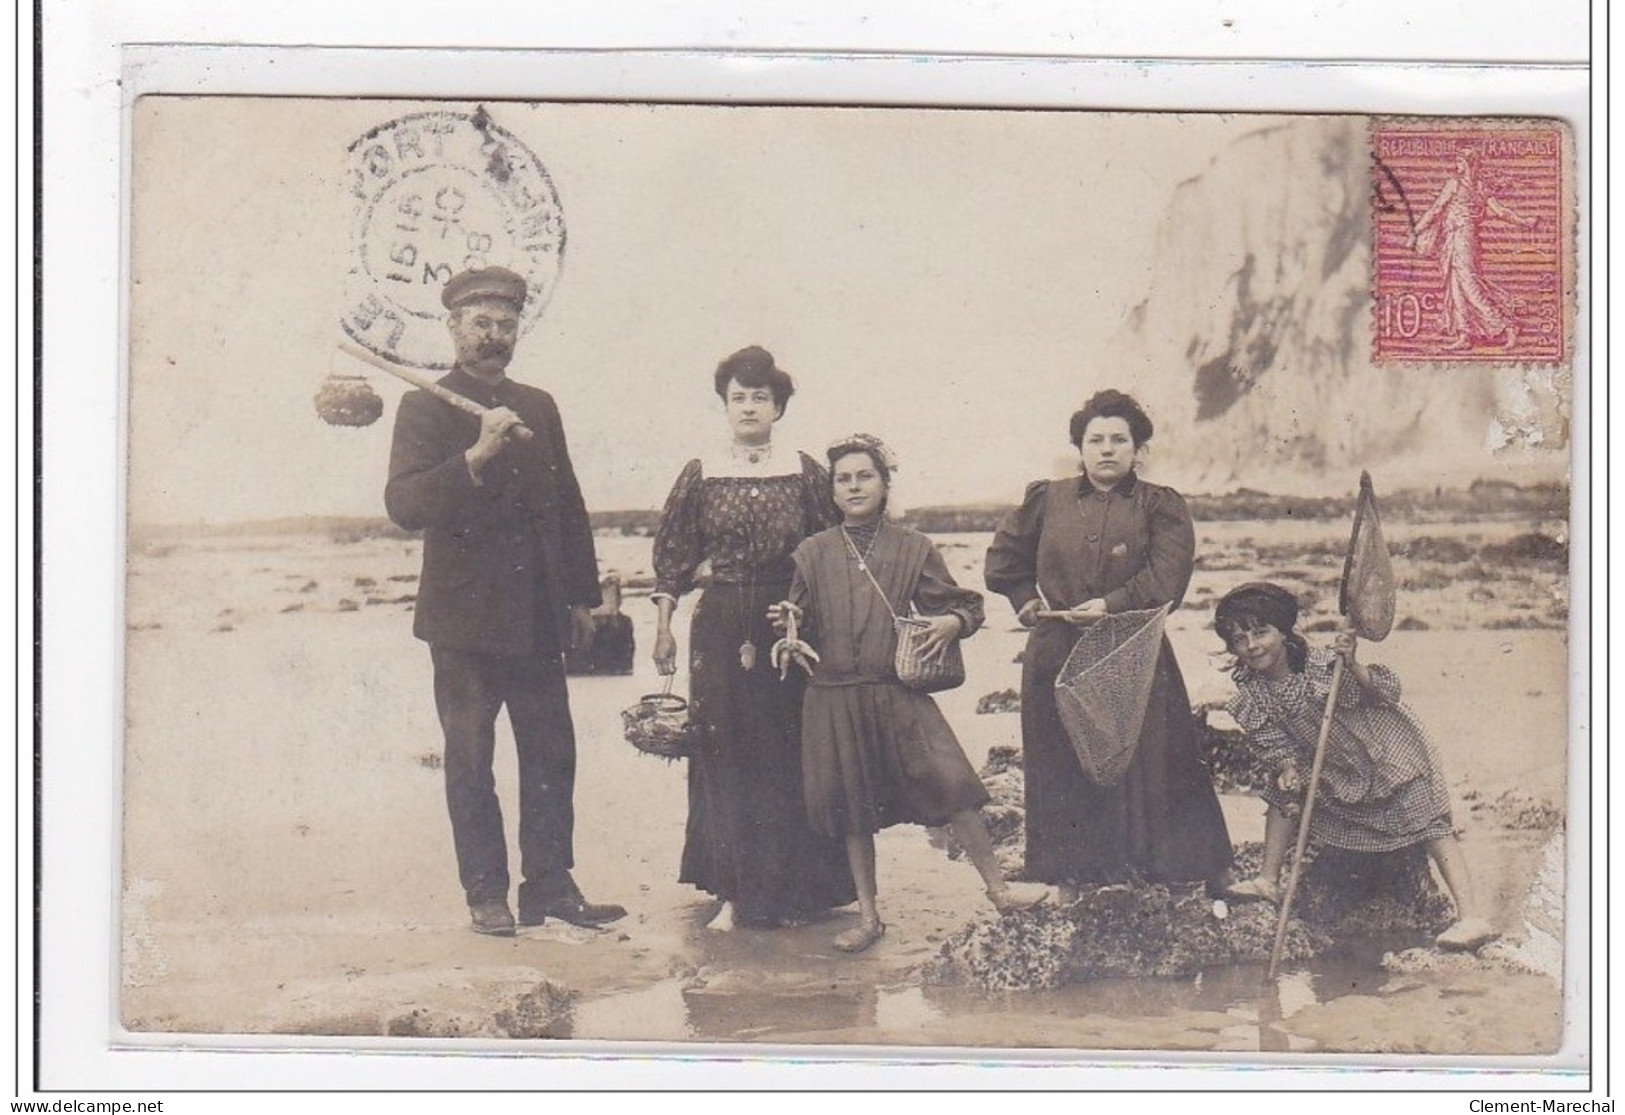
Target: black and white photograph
point(857, 576)
point(627, 559)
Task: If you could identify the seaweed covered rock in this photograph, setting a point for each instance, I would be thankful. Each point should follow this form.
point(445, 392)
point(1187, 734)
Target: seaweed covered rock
point(1141, 930)
point(1004, 822)
point(1232, 764)
point(1118, 932)
point(1005, 815)
point(1497, 956)
point(1446, 551)
point(1517, 808)
point(543, 1012)
point(1001, 758)
point(1138, 931)
point(1523, 548)
point(1002, 700)
point(1359, 894)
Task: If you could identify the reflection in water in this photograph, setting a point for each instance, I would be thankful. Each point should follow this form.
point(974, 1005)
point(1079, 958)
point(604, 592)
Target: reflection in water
point(669, 1011)
point(757, 1016)
point(1292, 992)
point(1271, 1037)
point(904, 1010)
point(654, 1013)
point(779, 993)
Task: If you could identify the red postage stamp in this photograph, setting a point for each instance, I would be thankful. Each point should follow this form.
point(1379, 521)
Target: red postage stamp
point(1472, 252)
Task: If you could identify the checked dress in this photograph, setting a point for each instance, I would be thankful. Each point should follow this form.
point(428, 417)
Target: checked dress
point(1381, 785)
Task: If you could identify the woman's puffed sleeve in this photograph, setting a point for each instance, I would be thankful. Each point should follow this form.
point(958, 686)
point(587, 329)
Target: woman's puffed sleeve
point(1271, 742)
point(938, 594)
point(817, 499)
point(1011, 568)
point(679, 545)
point(1169, 559)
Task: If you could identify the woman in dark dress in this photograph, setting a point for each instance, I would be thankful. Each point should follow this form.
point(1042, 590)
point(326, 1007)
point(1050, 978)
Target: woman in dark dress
point(1097, 544)
point(739, 512)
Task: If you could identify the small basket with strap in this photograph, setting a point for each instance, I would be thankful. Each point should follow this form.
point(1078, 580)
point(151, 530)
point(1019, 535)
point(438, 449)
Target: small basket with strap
point(909, 663)
point(659, 724)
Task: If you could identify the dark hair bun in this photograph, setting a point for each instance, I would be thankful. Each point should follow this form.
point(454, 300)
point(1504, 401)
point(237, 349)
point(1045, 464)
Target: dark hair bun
point(754, 367)
point(1112, 403)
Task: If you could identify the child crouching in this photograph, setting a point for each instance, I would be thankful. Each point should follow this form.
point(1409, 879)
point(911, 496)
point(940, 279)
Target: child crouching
point(1381, 785)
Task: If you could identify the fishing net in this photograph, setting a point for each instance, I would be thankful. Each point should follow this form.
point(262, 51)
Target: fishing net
point(1367, 593)
point(1104, 686)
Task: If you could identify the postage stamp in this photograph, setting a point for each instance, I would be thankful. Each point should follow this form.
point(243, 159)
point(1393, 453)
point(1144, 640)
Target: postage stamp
point(436, 193)
point(1472, 258)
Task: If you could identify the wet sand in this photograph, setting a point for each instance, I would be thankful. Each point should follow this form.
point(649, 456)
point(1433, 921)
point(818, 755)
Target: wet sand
point(288, 865)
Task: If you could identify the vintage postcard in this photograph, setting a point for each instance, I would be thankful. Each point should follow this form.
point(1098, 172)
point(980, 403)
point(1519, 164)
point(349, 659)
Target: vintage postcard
point(1047, 376)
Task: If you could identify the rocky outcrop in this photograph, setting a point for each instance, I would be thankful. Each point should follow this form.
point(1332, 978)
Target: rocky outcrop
point(1254, 336)
point(1148, 930)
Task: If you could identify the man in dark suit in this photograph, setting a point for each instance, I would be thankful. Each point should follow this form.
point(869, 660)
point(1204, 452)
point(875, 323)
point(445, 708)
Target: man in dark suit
point(509, 581)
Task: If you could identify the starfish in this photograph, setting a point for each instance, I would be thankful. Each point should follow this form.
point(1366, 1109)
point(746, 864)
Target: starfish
point(791, 648)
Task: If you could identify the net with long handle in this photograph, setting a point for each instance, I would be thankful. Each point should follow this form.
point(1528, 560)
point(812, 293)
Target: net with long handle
point(1368, 587)
point(1103, 689)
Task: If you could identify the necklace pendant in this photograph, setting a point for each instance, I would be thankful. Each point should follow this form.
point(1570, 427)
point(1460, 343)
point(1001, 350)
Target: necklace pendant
point(747, 655)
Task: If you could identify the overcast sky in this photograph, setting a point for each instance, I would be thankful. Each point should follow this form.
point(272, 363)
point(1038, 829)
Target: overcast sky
point(938, 277)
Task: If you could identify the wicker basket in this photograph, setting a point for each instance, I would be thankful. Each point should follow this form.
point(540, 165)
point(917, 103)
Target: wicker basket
point(659, 725)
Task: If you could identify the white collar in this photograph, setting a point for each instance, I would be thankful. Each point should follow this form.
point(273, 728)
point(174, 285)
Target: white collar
point(726, 460)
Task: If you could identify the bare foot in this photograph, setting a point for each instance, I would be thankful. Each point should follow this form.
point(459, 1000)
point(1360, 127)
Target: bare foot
point(1219, 885)
point(860, 936)
point(1018, 896)
point(724, 920)
point(1257, 887)
point(1467, 935)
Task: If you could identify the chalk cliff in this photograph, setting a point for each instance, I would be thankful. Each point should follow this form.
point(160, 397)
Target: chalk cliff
point(1253, 339)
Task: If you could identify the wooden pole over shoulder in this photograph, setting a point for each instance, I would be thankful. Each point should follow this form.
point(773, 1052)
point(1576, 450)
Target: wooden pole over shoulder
point(423, 382)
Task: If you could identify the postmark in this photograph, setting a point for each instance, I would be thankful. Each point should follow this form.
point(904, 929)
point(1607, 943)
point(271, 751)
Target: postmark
point(435, 193)
point(1472, 242)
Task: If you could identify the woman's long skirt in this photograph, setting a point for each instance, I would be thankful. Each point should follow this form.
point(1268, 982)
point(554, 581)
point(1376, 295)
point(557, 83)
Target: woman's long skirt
point(1160, 823)
point(748, 840)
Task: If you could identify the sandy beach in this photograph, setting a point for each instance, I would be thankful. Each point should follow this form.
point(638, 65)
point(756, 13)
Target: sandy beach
point(286, 866)
point(287, 863)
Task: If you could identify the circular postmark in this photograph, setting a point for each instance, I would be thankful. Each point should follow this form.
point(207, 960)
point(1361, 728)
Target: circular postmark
point(434, 194)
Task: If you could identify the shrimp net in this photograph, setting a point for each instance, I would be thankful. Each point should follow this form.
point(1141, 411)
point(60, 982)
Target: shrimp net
point(1104, 687)
point(1367, 592)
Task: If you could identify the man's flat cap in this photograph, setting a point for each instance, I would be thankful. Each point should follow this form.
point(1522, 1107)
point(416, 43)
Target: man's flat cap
point(487, 282)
